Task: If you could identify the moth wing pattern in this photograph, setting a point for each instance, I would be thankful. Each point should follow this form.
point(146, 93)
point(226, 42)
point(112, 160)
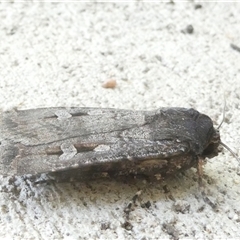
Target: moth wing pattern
point(56, 139)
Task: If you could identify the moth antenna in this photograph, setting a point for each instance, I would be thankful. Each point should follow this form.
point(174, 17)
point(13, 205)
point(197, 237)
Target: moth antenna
point(224, 110)
point(230, 150)
point(223, 144)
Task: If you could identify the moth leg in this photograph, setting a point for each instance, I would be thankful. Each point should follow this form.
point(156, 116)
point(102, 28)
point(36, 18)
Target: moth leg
point(201, 186)
point(129, 208)
point(130, 205)
point(200, 172)
point(168, 193)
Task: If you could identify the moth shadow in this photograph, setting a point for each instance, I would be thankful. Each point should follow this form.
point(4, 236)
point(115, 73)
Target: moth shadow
point(102, 195)
point(120, 189)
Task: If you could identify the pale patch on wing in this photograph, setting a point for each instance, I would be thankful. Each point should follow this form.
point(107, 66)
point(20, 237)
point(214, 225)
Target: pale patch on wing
point(101, 148)
point(62, 114)
point(69, 151)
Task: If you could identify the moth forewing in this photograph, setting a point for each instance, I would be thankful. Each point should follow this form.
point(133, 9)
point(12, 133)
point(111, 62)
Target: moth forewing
point(89, 142)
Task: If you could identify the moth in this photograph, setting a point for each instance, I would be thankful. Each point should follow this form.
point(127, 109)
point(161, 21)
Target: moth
point(80, 143)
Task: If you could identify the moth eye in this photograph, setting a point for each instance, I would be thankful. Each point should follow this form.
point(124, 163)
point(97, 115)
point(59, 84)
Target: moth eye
point(210, 149)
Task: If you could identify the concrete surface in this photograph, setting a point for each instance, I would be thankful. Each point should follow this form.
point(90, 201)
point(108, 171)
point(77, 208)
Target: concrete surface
point(59, 54)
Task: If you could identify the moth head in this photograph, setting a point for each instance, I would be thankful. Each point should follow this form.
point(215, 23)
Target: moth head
point(208, 137)
point(211, 148)
point(213, 143)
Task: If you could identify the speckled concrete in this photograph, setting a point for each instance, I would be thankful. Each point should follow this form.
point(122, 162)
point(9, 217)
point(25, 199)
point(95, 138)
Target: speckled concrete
point(60, 54)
